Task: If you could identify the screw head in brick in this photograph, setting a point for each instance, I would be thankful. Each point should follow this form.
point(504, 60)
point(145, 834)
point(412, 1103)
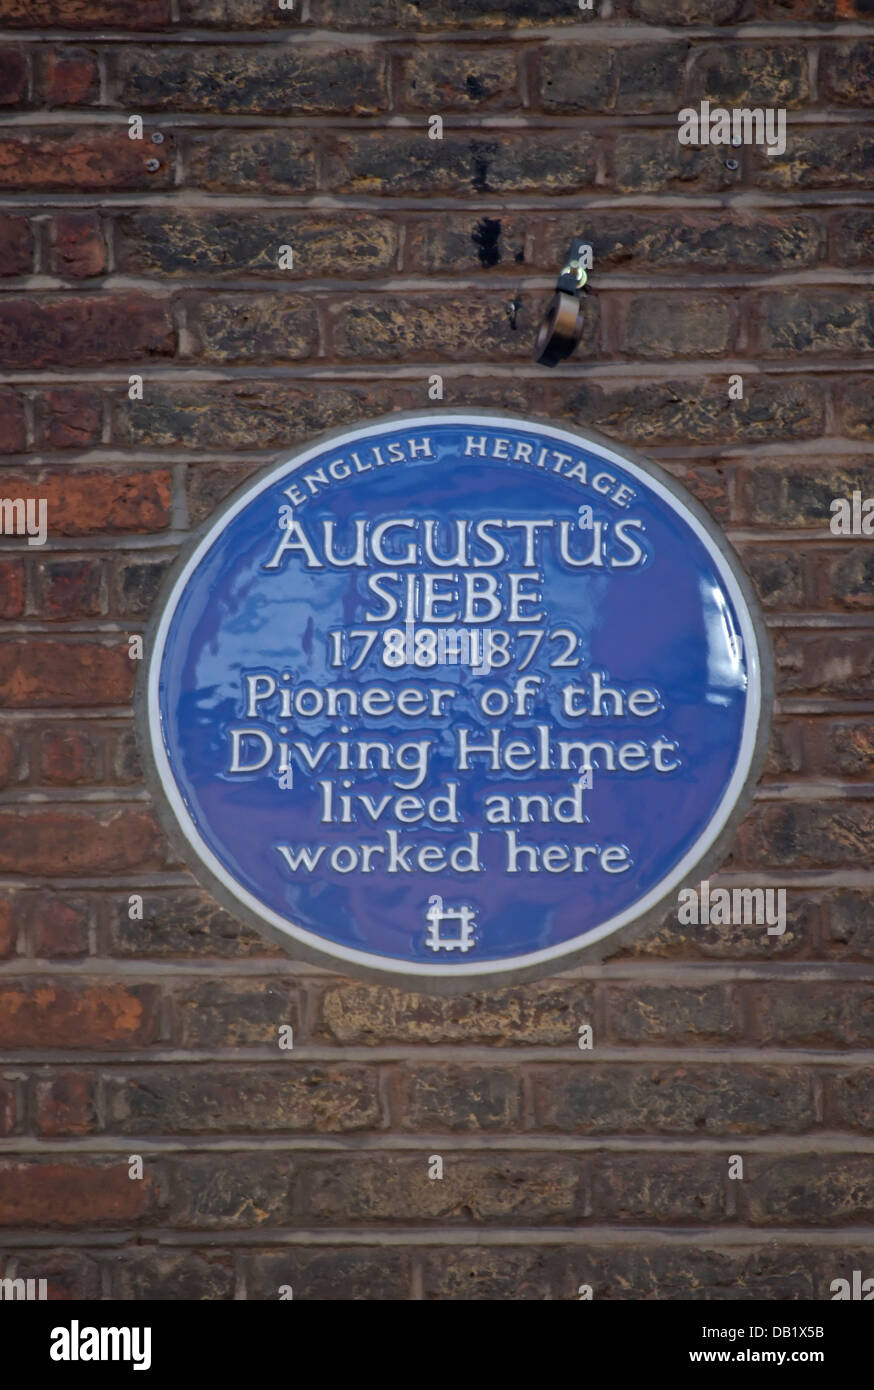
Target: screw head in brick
point(157, 138)
point(153, 165)
point(732, 164)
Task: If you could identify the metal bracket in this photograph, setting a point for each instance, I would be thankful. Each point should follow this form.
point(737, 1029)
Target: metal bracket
point(562, 325)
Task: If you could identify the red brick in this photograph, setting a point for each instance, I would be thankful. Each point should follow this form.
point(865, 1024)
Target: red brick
point(86, 504)
point(8, 1106)
point(8, 926)
point(13, 77)
point(72, 1194)
point(43, 1014)
point(69, 588)
point(66, 1105)
point(70, 1275)
point(88, 161)
point(58, 923)
point(13, 430)
point(8, 760)
point(70, 77)
point(38, 674)
point(78, 842)
point(73, 418)
point(75, 331)
point(11, 588)
point(16, 245)
point(85, 14)
point(79, 249)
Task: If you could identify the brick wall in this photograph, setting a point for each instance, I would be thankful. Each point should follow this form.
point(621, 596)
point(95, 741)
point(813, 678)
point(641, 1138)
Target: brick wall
point(158, 257)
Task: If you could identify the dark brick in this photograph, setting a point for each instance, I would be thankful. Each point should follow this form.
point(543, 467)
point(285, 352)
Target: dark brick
point(837, 324)
point(437, 80)
point(805, 835)
point(245, 1013)
point(247, 415)
point(629, 241)
point(777, 576)
point(331, 1275)
point(846, 73)
point(852, 238)
point(856, 402)
point(694, 1272)
point(850, 1100)
point(437, 328)
point(577, 77)
point(85, 14)
point(593, 1099)
point(693, 411)
point(850, 579)
point(649, 77)
point(750, 75)
point(231, 1191)
point(849, 925)
point(799, 493)
point(850, 748)
point(835, 664)
point(648, 1013)
point(291, 1097)
point(153, 1274)
point(548, 1014)
point(388, 1189)
point(138, 583)
point(243, 161)
point(397, 162)
point(271, 80)
point(208, 485)
point(645, 162)
point(466, 242)
point(807, 1190)
point(665, 1188)
point(815, 1015)
point(493, 1274)
point(828, 158)
point(253, 327)
point(459, 1098)
point(218, 243)
point(440, 14)
point(671, 326)
point(180, 923)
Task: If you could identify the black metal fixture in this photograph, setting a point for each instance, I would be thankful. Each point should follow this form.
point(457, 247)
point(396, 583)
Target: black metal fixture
point(562, 325)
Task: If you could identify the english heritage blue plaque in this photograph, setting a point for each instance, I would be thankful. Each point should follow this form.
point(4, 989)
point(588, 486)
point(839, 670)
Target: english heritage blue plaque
point(455, 698)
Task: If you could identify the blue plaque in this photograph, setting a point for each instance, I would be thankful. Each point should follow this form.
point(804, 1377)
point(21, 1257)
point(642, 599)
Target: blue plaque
point(455, 698)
